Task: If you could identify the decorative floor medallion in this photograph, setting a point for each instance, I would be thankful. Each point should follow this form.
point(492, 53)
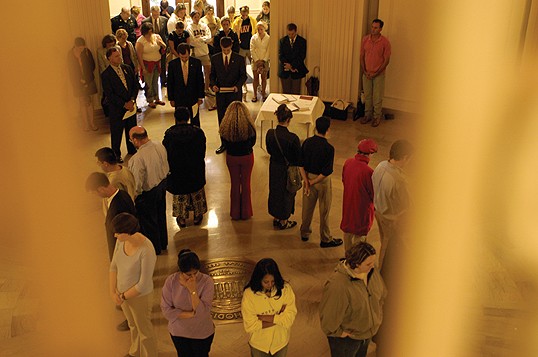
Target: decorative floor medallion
point(230, 276)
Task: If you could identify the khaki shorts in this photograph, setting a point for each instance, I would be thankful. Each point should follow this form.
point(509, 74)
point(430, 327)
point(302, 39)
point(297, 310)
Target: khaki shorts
point(206, 61)
point(264, 70)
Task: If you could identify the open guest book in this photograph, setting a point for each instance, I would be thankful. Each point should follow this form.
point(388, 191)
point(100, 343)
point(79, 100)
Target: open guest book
point(284, 98)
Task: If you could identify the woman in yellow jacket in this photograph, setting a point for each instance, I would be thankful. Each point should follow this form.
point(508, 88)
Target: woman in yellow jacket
point(268, 310)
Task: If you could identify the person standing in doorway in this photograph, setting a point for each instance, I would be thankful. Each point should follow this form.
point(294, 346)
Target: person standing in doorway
point(292, 54)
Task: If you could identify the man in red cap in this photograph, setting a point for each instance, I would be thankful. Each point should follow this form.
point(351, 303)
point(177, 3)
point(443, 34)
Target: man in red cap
point(358, 201)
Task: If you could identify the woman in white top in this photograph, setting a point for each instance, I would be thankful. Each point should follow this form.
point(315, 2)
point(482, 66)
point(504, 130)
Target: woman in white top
point(131, 282)
point(259, 50)
point(200, 37)
point(268, 309)
point(213, 23)
point(148, 50)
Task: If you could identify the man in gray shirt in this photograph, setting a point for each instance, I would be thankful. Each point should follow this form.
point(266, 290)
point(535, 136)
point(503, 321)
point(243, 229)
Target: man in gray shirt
point(150, 169)
point(391, 198)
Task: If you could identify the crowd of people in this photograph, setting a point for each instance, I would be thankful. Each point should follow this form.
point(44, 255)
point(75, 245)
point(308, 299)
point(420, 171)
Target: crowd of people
point(205, 56)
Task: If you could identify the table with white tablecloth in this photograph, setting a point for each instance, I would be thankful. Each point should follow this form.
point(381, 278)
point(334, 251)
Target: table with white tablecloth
point(311, 109)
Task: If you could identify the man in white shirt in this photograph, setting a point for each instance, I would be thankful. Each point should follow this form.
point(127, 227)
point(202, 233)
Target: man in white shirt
point(150, 169)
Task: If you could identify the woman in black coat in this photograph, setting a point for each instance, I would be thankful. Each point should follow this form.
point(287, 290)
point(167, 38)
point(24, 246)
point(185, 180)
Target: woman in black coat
point(185, 144)
point(281, 201)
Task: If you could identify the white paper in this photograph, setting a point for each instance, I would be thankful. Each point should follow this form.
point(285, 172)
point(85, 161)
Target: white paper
point(129, 114)
point(195, 109)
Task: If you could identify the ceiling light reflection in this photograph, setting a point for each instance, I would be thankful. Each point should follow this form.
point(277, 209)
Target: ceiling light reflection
point(212, 220)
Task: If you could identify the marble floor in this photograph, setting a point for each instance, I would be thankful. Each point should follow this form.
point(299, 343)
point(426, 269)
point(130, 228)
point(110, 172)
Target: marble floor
point(304, 264)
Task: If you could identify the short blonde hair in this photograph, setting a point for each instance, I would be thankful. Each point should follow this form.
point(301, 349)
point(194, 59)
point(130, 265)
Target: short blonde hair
point(237, 124)
point(135, 10)
point(121, 33)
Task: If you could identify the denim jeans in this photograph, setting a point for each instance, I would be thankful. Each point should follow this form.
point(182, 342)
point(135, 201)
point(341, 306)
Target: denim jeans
point(348, 347)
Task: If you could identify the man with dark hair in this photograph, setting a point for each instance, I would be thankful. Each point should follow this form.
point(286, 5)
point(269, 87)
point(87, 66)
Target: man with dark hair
point(228, 73)
point(118, 175)
point(115, 201)
point(186, 83)
point(291, 55)
point(166, 10)
point(125, 21)
point(318, 158)
point(391, 198)
point(358, 200)
point(150, 168)
point(121, 89)
point(375, 57)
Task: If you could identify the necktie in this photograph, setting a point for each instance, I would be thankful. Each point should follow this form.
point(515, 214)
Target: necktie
point(121, 75)
point(185, 66)
point(226, 63)
point(156, 25)
point(291, 42)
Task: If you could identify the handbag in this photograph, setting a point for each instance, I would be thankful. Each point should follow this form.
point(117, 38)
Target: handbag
point(338, 109)
point(294, 182)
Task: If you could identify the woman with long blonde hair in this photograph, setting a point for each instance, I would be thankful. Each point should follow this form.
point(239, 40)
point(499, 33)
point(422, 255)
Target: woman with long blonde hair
point(238, 135)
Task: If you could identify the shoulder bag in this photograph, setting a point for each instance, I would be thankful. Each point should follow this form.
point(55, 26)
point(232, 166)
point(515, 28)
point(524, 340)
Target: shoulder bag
point(294, 182)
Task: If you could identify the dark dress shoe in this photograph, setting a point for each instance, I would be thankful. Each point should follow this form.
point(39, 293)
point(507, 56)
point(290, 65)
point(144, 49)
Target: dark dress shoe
point(120, 160)
point(220, 150)
point(198, 220)
point(333, 243)
point(376, 122)
point(304, 239)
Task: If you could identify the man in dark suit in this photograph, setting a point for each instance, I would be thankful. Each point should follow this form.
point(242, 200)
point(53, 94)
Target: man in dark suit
point(186, 82)
point(228, 74)
point(115, 201)
point(120, 88)
point(291, 55)
point(159, 27)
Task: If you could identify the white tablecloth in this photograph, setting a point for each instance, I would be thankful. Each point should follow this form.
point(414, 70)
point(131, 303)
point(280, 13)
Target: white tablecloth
point(315, 110)
point(308, 117)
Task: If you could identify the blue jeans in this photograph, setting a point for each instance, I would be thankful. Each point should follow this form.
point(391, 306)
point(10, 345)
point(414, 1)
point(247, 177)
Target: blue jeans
point(348, 347)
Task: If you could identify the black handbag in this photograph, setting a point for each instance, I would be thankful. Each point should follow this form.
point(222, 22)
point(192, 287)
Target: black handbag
point(294, 182)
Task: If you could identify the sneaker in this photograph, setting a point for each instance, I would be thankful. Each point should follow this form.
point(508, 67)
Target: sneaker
point(124, 326)
point(333, 243)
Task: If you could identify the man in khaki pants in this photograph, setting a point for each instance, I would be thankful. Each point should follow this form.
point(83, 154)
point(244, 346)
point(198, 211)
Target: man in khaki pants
point(375, 57)
point(318, 158)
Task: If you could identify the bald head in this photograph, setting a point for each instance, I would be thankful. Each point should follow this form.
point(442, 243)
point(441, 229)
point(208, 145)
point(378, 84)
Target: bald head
point(125, 13)
point(138, 136)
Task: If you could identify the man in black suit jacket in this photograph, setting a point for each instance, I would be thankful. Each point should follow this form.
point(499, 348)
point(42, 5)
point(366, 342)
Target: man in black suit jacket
point(228, 74)
point(115, 201)
point(120, 88)
point(183, 93)
point(159, 27)
point(291, 55)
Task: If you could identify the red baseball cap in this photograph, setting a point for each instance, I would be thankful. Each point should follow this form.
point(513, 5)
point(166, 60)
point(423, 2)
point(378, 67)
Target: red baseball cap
point(367, 146)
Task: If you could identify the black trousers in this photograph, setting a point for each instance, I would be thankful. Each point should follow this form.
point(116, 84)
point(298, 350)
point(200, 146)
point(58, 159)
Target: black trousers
point(192, 347)
point(291, 86)
point(117, 126)
point(151, 210)
point(224, 100)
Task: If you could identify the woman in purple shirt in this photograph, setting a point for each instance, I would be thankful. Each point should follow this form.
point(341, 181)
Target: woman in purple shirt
point(186, 304)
